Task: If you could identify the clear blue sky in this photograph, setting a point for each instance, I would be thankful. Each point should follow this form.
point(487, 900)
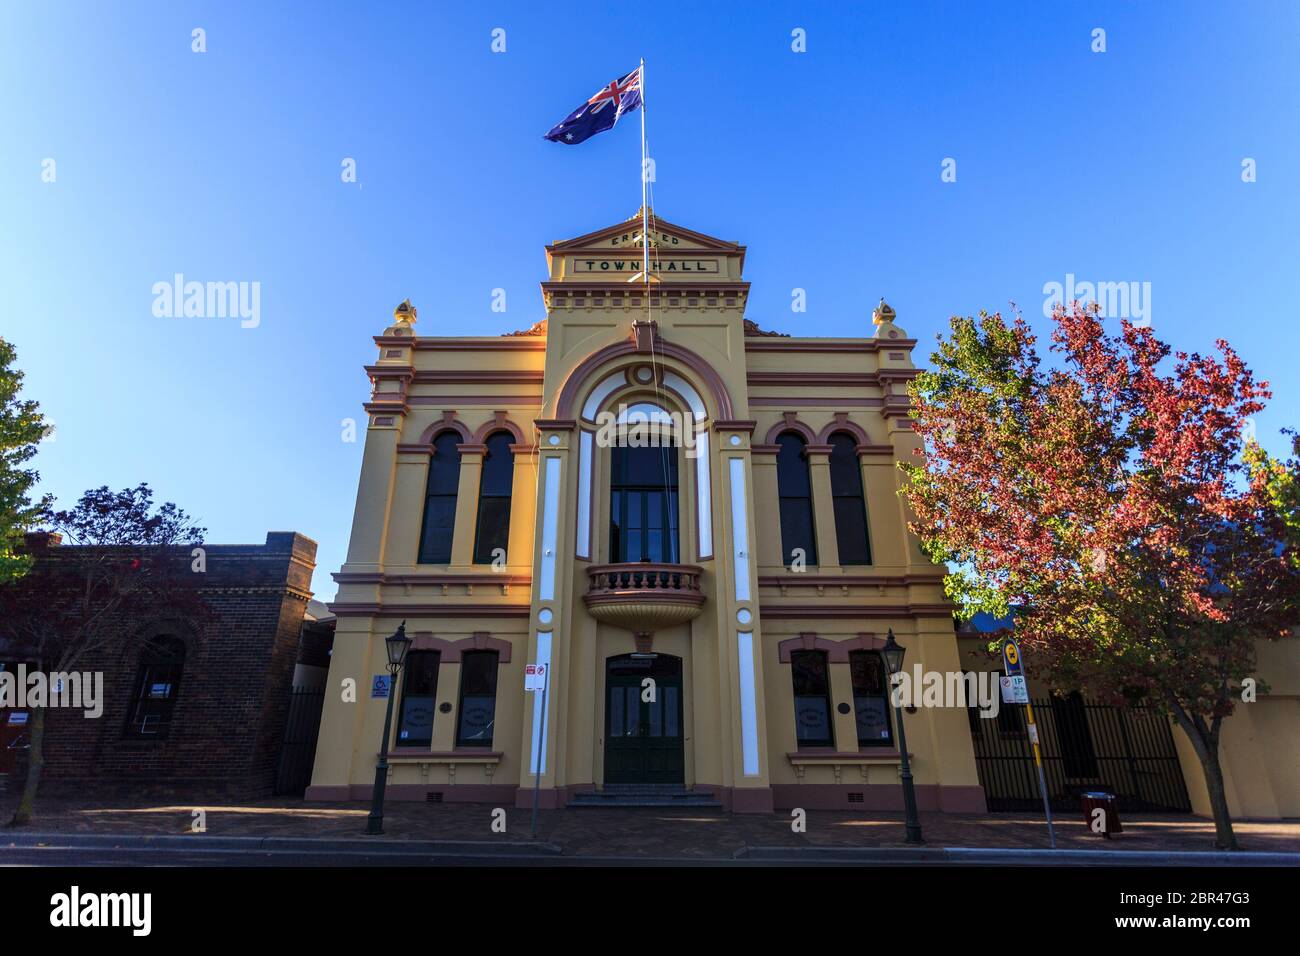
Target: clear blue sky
point(225, 166)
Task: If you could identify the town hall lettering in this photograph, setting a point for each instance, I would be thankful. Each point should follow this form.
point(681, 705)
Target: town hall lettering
point(634, 265)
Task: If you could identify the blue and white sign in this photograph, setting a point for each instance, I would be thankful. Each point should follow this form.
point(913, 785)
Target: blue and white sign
point(379, 687)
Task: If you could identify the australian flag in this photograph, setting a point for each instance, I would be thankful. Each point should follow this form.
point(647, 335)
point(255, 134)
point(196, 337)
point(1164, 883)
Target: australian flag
point(600, 112)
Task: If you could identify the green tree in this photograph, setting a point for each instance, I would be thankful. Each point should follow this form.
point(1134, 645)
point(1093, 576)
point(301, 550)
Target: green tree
point(21, 429)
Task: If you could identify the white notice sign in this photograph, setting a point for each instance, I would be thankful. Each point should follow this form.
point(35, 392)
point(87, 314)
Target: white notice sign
point(534, 676)
point(1014, 689)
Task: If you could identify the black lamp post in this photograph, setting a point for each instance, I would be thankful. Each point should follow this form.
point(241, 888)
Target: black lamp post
point(893, 653)
point(397, 644)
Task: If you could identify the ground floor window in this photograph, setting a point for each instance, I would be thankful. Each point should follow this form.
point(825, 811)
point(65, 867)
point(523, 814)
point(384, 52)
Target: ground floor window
point(156, 688)
point(419, 690)
point(478, 699)
point(812, 699)
point(871, 699)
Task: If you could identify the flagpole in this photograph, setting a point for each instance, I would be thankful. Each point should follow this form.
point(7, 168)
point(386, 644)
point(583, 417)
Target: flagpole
point(645, 213)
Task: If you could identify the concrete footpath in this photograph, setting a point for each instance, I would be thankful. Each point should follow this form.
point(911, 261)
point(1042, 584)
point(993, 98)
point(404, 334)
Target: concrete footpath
point(103, 849)
point(615, 834)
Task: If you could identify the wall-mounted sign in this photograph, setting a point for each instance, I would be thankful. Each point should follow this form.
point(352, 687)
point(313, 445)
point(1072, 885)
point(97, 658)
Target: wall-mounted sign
point(630, 266)
point(379, 686)
point(534, 676)
point(17, 719)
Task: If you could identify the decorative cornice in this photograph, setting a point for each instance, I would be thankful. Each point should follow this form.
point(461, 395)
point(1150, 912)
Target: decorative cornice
point(432, 579)
point(825, 345)
point(478, 377)
point(495, 344)
point(795, 612)
point(556, 424)
point(445, 610)
point(736, 425)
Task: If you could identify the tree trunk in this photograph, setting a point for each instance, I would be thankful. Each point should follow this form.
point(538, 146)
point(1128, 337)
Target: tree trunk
point(1207, 750)
point(35, 762)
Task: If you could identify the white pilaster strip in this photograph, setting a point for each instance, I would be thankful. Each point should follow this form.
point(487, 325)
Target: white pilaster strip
point(748, 706)
point(550, 527)
point(739, 527)
point(703, 494)
point(586, 441)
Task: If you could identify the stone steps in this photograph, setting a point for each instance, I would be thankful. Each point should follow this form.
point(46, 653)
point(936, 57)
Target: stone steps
point(645, 795)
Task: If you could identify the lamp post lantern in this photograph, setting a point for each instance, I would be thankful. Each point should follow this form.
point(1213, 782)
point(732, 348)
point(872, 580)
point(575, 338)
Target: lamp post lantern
point(893, 653)
point(397, 644)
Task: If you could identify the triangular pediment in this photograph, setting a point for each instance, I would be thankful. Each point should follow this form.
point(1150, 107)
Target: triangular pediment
point(665, 236)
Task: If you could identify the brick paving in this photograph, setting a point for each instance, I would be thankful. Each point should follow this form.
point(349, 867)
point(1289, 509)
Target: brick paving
point(635, 832)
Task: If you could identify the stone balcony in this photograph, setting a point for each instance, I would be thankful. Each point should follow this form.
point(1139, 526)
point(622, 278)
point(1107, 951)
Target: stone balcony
point(644, 597)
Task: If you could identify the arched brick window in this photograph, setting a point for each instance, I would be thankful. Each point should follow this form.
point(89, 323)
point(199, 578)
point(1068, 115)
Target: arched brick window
point(495, 487)
point(440, 500)
point(157, 686)
point(850, 505)
point(794, 487)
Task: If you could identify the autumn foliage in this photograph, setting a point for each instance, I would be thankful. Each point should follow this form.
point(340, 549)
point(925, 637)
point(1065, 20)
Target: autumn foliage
point(1107, 498)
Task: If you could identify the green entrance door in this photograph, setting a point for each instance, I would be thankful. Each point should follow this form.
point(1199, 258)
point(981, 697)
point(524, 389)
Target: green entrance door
point(643, 738)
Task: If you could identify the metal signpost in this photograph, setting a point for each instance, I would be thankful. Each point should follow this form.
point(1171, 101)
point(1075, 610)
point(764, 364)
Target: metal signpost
point(535, 679)
point(1016, 691)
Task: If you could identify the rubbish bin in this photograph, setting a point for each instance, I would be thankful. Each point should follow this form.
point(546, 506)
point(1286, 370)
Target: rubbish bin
point(1106, 821)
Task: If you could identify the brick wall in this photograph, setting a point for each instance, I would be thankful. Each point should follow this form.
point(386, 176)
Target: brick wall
point(233, 695)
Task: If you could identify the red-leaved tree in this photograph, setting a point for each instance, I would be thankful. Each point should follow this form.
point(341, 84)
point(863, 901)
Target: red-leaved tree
point(123, 561)
point(1106, 500)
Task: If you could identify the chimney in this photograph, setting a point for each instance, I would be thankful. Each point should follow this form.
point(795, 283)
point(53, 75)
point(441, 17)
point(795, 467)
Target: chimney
point(38, 542)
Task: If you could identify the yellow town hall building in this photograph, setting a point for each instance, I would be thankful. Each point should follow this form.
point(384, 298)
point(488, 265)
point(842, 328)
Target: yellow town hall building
point(708, 606)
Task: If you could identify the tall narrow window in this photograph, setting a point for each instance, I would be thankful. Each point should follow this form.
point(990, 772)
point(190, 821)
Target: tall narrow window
point(643, 504)
point(440, 500)
point(871, 699)
point(156, 686)
point(419, 690)
point(812, 699)
point(795, 490)
point(495, 487)
point(850, 506)
point(478, 699)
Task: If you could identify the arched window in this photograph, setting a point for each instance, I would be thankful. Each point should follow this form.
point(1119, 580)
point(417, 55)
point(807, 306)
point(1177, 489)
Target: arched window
point(478, 699)
point(871, 699)
point(812, 699)
point(794, 488)
point(850, 507)
point(156, 687)
point(440, 500)
point(495, 488)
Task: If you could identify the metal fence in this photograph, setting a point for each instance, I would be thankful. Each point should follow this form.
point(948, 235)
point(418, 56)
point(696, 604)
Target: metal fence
point(1086, 746)
point(298, 749)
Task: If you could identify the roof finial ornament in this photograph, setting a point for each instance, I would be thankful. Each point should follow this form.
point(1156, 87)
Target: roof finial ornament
point(405, 313)
point(883, 318)
point(884, 313)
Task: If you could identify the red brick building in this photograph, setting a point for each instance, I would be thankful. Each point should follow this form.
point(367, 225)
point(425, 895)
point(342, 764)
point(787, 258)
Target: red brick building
point(189, 707)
